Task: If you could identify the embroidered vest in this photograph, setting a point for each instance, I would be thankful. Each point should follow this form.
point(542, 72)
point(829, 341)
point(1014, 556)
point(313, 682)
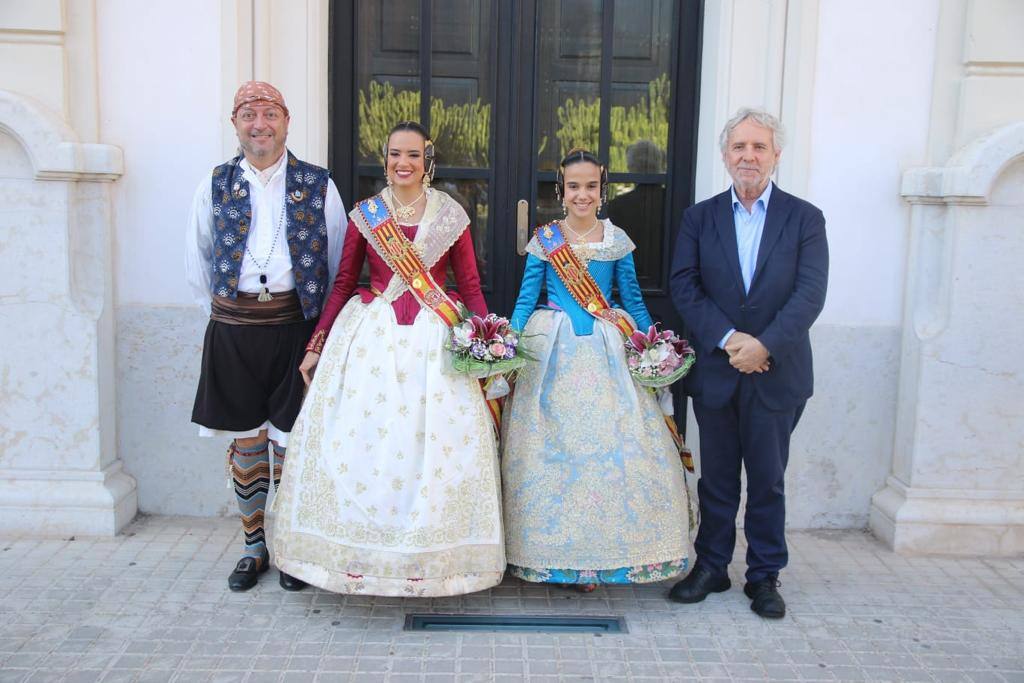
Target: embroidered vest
point(306, 229)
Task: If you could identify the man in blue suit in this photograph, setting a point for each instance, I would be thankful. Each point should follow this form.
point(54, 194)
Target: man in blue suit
point(748, 277)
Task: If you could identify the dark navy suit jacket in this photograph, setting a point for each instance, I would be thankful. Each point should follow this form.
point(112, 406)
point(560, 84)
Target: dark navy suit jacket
point(787, 293)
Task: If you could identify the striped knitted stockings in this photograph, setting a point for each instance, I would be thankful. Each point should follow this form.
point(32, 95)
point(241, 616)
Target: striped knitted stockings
point(278, 464)
point(250, 473)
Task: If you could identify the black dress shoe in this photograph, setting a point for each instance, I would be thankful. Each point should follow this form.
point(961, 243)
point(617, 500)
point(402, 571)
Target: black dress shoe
point(290, 583)
point(247, 571)
point(765, 598)
point(698, 584)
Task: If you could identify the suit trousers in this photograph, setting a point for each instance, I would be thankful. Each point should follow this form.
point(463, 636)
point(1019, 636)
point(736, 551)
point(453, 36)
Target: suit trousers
point(743, 431)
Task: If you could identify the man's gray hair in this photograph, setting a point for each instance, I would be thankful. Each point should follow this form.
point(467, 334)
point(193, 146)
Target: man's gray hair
point(761, 118)
point(644, 156)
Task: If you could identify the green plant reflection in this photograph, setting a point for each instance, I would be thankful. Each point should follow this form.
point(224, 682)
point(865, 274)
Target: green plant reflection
point(462, 132)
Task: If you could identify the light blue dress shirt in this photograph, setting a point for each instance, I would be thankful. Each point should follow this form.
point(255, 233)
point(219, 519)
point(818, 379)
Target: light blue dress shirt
point(749, 228)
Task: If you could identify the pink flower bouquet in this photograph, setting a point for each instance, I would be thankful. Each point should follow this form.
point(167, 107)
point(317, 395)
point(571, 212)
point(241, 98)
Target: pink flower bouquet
point(657, 359)
point(483, 347)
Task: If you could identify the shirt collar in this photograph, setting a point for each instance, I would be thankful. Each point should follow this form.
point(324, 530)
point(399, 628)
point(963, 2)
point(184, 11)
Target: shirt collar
point(267, 174)
point(763, 198)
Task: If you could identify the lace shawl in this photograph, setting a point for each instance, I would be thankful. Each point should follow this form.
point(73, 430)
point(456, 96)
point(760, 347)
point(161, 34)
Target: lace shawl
point(442, 224)
point(612, 247)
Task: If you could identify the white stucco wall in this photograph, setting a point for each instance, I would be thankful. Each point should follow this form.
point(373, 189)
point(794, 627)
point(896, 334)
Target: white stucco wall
point(872, 98)
point(159, 84)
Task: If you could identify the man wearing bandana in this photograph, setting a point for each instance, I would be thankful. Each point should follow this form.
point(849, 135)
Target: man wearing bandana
point(262, 246)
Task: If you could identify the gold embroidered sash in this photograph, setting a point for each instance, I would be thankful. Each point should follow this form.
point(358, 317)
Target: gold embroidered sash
point(404, 260)
point(577, 279)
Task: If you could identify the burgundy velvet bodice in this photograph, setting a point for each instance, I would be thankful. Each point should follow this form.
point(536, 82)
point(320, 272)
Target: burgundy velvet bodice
point(460, 255)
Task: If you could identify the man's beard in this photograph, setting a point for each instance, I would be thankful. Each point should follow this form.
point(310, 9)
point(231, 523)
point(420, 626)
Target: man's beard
point(252, 150)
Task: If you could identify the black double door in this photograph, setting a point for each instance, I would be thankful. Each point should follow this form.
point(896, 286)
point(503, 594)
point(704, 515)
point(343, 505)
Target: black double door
point(506, 87)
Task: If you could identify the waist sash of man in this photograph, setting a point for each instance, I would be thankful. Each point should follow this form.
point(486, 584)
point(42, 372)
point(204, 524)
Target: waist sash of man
point(246, 309)
point(584, 289)
point(404, 260)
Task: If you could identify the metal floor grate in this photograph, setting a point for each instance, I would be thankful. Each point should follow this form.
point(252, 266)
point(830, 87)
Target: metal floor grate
point(514, 622)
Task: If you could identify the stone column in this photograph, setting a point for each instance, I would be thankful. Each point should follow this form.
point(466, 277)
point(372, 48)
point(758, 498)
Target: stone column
point(59, 470)
point(957, 484)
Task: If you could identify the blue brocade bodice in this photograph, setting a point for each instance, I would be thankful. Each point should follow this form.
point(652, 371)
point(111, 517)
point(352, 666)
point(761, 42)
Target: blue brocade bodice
point(606, 272)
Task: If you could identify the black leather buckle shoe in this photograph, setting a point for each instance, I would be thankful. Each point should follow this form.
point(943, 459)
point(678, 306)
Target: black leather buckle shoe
point(290, 583)
point(766, 601)
point(698, 584)
point(247, 572)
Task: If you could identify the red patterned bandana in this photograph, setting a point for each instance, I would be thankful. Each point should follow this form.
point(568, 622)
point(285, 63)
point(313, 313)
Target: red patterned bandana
point(258, 91)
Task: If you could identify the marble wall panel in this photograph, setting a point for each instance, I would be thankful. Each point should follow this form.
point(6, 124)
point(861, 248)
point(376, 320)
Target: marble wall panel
point(841, 451)
point(158, 359)
point(972, 425)
point(33, 234)
point(48, 411)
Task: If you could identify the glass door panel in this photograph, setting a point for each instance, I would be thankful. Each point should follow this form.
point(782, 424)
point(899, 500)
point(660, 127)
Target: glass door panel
point(641, 92)
point(568, 90)
point(614, 102)
point(640, 87)
point(454, 98)
point(462, 85)
point(462, 82)
point(387, 72)
point(568, 78)
point(506, 88)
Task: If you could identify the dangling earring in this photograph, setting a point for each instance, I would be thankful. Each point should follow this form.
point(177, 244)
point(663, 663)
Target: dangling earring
point(565, 210)
point(387, 177)
point(428, 164)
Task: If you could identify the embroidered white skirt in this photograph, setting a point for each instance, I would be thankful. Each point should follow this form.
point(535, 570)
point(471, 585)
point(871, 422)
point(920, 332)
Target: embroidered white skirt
point(391, 483)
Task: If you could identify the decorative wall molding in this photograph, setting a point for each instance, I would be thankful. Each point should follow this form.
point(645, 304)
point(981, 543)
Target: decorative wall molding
point(52, 146)
point(969, 175)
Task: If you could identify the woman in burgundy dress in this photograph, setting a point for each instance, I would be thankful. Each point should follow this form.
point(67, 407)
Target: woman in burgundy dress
point(391, 485)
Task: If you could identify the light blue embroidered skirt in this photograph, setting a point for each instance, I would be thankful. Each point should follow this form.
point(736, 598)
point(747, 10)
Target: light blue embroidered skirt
point(593, 486)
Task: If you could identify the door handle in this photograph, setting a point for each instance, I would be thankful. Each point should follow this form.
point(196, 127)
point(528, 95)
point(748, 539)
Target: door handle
point(522, 226)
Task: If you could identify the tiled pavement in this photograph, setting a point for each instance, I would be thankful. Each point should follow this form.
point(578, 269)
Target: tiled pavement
point(152, 605)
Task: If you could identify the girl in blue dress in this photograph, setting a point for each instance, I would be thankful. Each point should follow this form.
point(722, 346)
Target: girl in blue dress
point(593, 486)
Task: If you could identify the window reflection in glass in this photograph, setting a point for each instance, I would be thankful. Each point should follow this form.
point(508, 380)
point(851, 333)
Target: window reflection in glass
point(387, 71)
point(461, 82)
point(568, 78)
point(639, 115)
point(388, 77)
point(640, 88)
point(640, 210)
